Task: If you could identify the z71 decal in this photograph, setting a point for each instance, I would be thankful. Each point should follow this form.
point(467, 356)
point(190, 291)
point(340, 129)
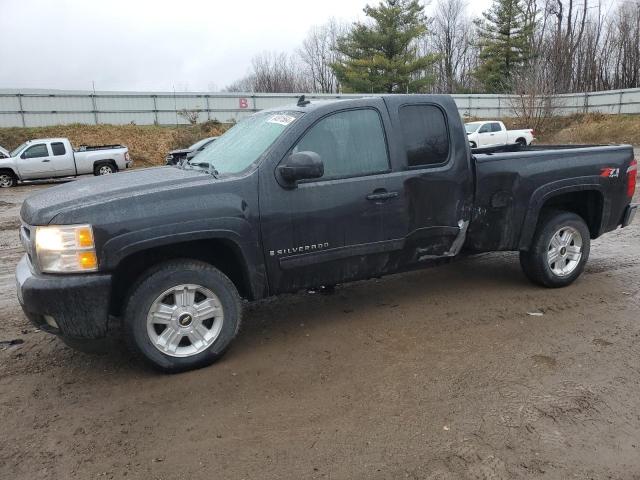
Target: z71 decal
point(610, 172)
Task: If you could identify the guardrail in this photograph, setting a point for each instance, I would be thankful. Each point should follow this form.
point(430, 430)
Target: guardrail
point(41, 108)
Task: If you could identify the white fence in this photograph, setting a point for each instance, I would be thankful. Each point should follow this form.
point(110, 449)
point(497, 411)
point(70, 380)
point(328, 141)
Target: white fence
point(55, 107)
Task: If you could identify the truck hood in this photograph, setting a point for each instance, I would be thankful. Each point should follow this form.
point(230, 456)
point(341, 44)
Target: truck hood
point(99, 192)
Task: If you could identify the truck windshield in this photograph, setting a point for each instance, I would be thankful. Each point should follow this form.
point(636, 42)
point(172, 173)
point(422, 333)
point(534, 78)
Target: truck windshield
point(200, 143)
point(243, 144)
point(472, 127)
point(14, 153)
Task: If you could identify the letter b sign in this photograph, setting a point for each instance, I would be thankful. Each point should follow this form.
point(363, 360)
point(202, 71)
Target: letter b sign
point(244, 103)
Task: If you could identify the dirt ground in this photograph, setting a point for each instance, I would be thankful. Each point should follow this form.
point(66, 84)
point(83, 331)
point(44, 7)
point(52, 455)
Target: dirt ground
point(437, 374)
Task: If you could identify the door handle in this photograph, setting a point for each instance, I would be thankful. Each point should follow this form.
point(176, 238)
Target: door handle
point(381, 194)
point(46, 160)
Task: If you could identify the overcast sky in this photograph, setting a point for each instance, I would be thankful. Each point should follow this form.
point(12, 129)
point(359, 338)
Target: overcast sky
point(194, 45)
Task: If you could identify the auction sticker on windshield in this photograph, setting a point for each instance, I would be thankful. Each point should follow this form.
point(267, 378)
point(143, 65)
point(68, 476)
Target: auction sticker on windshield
point(281, 119)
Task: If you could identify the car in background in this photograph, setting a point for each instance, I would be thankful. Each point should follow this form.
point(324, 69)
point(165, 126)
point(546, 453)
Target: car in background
point(4, 153)
point(55, 157)
point(176, 157)
point(493, 133)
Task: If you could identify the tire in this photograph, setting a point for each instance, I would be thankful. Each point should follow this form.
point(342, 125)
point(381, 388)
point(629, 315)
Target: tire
point(162, 290)
point(7, 179)
point(521, 143)
point(104, 169)
point(560, 236)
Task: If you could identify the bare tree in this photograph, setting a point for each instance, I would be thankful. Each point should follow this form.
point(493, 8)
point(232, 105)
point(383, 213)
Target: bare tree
point(570, 19)
point(574, 45)
point(451, 32)
point(273, 72)
point(318, 52)
point(533, 101)
point(190, 116)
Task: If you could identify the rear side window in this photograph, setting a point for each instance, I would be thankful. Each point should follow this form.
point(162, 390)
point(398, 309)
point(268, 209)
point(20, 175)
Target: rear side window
point(425, 134)
point(350, 143)
point(36, 151)
point(58, 148)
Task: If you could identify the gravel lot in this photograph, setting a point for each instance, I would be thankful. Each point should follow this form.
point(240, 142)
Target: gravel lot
point(438, 374)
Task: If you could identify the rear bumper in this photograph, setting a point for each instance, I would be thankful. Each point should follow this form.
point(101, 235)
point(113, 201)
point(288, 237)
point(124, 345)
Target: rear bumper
point(629, 215)
point(73, 306)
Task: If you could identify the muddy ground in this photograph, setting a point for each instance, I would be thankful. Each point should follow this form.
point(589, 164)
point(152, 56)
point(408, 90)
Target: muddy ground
point(438, 374)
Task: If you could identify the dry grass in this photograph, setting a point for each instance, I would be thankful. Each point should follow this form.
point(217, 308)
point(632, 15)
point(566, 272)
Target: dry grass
point(594, 128)
point(147, 145)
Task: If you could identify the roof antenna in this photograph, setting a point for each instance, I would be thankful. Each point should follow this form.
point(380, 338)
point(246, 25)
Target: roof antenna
point(302, 102)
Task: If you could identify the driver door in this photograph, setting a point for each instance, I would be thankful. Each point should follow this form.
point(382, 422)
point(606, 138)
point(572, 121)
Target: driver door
point(330, 229)
point(485, 136)
point(36, 162)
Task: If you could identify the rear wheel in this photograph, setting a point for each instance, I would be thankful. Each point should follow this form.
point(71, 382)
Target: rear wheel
point(7, 179)
point(104, 169)
point(559, 251)
point(521, 142)
point(182, 315)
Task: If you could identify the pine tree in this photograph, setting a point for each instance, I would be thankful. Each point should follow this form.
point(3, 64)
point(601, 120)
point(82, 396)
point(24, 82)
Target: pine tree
point(382, 55)
point(504, 38)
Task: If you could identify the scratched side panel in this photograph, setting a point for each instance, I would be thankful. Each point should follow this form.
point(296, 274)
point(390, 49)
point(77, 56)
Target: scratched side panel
point(512, 187)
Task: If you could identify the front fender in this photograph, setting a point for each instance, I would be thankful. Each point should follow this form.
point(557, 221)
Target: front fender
point(8, 164)
point(237, 231)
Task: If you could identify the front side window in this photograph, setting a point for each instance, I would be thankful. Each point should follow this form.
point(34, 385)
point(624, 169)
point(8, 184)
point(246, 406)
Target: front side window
point(350, 143)
point(36, 151)
point(471, 127)
point(58, 148)
point(495, 127)
point(486, 128)
point(243, 144)
point(425, 135)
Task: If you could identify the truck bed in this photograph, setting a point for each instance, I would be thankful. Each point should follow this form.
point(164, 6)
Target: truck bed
point(512, 186)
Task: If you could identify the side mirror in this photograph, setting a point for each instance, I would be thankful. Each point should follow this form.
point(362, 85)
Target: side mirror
point(301, 166)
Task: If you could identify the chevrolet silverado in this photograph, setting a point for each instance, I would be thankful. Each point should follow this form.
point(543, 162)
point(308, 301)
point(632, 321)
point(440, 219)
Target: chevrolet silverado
point(301, 197)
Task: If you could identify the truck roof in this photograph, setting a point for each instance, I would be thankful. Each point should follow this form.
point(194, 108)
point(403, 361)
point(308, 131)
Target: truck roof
point(315, 104)
point(56, 139)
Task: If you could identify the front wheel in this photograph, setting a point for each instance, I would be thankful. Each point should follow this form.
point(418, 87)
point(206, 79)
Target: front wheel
point(182, 315)
point(559, 251)
point(7, 180)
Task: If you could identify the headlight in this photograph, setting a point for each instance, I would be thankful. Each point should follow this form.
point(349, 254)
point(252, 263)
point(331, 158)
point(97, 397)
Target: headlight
point(66, 248)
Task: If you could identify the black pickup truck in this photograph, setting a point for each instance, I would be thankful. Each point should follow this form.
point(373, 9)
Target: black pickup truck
point(305, 196)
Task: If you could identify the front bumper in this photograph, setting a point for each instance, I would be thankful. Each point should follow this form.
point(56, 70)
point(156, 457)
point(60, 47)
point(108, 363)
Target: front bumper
point(629, 214)
point(77, 304)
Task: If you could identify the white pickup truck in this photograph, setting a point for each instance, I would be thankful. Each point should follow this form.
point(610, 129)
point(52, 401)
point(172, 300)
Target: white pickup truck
point(492, 133)
point(55, 157)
